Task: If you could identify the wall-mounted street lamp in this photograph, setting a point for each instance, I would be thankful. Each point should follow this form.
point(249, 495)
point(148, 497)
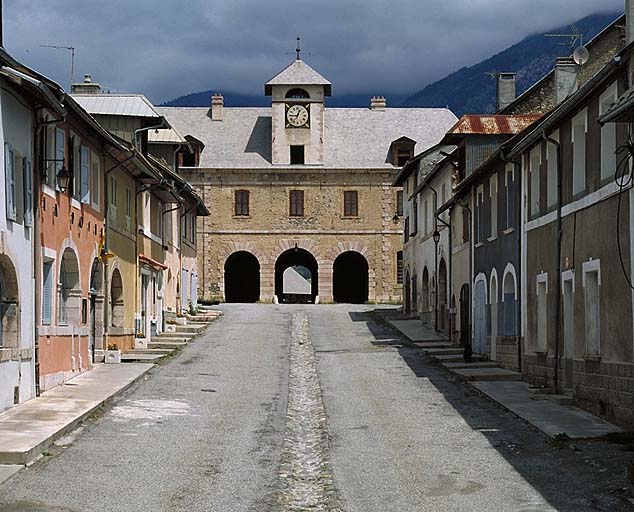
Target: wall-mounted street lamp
point(63, 179)
point(436, 237)
point(396, 218)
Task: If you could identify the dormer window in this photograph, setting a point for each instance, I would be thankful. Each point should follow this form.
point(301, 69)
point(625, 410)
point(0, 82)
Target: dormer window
point(402, 151)
point(297, 94)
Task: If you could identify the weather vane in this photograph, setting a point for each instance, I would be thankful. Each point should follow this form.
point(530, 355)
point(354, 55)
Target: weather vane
point(298, 50)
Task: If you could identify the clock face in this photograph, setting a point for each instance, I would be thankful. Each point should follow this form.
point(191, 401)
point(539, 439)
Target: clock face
point(297, 115)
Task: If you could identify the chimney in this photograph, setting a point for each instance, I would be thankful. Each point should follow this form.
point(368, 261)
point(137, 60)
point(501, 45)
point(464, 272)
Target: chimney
point(86, 87)
point(566, 75)
point(505, 90)
point(629, 21)
point(217, 106)
point(378, 103)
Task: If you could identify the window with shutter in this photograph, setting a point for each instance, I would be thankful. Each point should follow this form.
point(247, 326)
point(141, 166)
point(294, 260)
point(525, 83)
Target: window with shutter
point(85, 174)
point(296, 203)
point(60, 152)
point(47, 292)
point(350, 203)
point(74, 155)
point(95, 183)
point(399, 203)
point(10, 182)
point(28, 192)
point(242, 203)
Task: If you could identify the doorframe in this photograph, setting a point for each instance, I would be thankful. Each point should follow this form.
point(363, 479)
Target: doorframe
point(568, 280)
point(480, 280)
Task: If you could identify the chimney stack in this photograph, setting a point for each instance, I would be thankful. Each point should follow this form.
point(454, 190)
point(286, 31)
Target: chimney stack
point(566, 75)
point(505, 90)
point(378, 103)
point(86, 87)
point(217, 106)
point(629, 21)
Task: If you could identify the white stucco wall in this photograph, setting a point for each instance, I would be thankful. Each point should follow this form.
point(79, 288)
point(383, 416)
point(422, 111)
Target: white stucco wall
point(16, 129)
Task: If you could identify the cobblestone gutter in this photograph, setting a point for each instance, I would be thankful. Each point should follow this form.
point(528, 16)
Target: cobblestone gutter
point(305, 481)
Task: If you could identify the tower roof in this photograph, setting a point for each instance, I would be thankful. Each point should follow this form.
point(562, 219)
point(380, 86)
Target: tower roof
point(298, 73)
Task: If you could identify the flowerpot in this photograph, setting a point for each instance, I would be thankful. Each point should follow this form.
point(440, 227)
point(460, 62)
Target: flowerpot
point(112, 356)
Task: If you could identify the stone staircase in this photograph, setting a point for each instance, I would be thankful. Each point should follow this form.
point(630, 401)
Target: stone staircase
point(174, 339)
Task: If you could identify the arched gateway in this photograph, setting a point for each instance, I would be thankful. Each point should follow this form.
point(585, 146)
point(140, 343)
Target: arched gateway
point(350, 278)
point(296, 277)
point(242, 277)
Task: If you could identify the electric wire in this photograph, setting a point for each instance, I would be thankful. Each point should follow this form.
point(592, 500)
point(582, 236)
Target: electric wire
point(623, 179)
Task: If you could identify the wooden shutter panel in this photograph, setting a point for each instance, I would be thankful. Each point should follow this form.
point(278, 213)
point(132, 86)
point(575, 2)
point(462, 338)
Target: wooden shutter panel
point(9, 174)
point(47, 292)
point(184, 296)
point(28, 191)
point(85, 174)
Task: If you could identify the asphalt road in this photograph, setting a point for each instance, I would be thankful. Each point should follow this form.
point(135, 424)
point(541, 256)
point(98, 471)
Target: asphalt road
point(208, 431)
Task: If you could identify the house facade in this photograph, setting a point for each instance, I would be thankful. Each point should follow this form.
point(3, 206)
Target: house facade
point(300, 189)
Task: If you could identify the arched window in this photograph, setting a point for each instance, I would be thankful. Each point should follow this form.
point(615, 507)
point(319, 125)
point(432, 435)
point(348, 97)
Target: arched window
point(510, 298)
point(297, 94)
point(116, 298)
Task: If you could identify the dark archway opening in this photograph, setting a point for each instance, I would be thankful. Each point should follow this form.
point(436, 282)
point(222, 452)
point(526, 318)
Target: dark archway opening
point(350, 278)
point(242, 278)
point(299, 285)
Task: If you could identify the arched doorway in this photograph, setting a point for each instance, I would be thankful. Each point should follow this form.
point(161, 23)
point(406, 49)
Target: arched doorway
point(69, 310)
point(406, 293)
point(493, 305)
point(95, 315)
point(117, 304)
point(465, 315)
point(479, 316)
point(442, 295)
point(242, 278)
point(296, 277)
point(426, 317)
point(350, 278)
point(9, 310)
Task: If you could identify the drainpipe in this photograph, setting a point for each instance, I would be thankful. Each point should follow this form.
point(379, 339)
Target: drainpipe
point(163, 124)
point(558, 256)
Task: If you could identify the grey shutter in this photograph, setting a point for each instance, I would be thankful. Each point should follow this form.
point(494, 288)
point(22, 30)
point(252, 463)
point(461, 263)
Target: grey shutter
point(9, 174)
point(60, 151)
point(85, 174)
point(47, 292)
point(28, 192)
point(184, 293)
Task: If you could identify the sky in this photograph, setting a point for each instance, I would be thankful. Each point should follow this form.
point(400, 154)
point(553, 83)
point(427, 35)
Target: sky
point(169, 48)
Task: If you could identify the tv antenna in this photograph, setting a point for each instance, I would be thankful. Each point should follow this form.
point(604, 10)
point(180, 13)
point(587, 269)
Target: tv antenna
point(575, 36)
point(70, 49)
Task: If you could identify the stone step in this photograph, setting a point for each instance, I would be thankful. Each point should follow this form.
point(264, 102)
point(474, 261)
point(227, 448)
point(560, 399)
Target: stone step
point(487, 374)
point(187, 329)
point(432, 344)
point(444, 351)
point(166, 345)
point(561, 399)
point(475, 364)
point(132, 357)
point(175, 336)
point(152, 350)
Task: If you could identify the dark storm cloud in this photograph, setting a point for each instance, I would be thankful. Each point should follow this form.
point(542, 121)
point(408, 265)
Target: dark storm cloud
point(168, 48)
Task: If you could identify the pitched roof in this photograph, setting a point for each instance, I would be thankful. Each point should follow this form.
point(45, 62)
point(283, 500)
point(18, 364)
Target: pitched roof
point(354, 138)
point(297, 73)
point(166, 136)
point(133, 105)
point(423, 162)
point(492, 124)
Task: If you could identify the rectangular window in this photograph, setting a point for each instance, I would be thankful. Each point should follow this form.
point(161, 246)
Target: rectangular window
point(351, 203)
point(466, 228)
point(169, 227)
point(542, 313)
point(551, 156)
point(10, 182)
point(297, 155)
point(95, 182)
point(510, 196)
point(296, 203)
point(493, 185)
point(60, 153)
point(592, 285)
point(406, 230)
point(74, 165)
point(242, 203)
point(425, 219)
point(112, 199)
point(47, 292)
point(128, 207)
point(85, 174)
point(608, 135)
point(399, 267)
point(479, 219)
point(27, 182)
point(414, 216)
point(579, 130)
point(193, 228)
point(535, 160)
point(399, 203)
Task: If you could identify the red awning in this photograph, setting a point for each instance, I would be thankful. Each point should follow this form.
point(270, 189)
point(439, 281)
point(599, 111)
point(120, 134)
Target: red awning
point(145, 260)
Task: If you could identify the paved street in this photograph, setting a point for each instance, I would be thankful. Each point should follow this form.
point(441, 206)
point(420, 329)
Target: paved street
point(311, 408)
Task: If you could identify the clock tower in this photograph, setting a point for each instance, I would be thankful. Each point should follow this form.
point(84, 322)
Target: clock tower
point(297, 115)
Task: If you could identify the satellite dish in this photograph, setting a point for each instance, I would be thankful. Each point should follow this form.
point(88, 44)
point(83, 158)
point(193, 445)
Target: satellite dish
point(581, 55)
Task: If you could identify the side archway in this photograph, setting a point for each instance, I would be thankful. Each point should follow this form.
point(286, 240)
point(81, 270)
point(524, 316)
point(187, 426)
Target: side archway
point(69, 311)
point(350, 279)
point(242, 278)
point(296, 276)
point(9, 302)
point(343, 247)
point(117, 302)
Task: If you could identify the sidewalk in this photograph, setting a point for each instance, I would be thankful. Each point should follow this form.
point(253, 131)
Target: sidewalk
point(29, 428)
point(511, 393)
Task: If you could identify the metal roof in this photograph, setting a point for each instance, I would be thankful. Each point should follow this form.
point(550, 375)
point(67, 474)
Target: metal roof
point(354, 138)
point(133, 105)
point(166, 136)
point(492, 124)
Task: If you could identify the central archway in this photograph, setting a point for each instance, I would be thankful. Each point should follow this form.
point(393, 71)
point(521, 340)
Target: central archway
point(350, 278)
point(296, 277)
point(242, 278)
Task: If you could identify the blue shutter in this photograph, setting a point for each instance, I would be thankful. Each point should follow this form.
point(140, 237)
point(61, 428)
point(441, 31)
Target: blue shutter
point(85, 174)
point(184, 294)
point(9, 174)
point(60, 152)
point(28, 192)
point(47, 292)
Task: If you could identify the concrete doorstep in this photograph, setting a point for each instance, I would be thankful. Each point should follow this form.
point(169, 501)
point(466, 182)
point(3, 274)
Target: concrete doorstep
point(30, 428)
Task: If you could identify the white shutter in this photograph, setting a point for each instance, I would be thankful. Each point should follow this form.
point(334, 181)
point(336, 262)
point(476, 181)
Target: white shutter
point(184, 294)
point(60, 151)
point(47, 292)
point(9, 174)
point(85, 174)
point(28, 192)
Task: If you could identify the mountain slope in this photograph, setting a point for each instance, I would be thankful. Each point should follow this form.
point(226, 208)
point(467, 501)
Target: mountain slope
point(472, 90)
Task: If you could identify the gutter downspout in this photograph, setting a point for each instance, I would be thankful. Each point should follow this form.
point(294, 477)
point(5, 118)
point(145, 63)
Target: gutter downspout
point(163, 124)
point(558, 256)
